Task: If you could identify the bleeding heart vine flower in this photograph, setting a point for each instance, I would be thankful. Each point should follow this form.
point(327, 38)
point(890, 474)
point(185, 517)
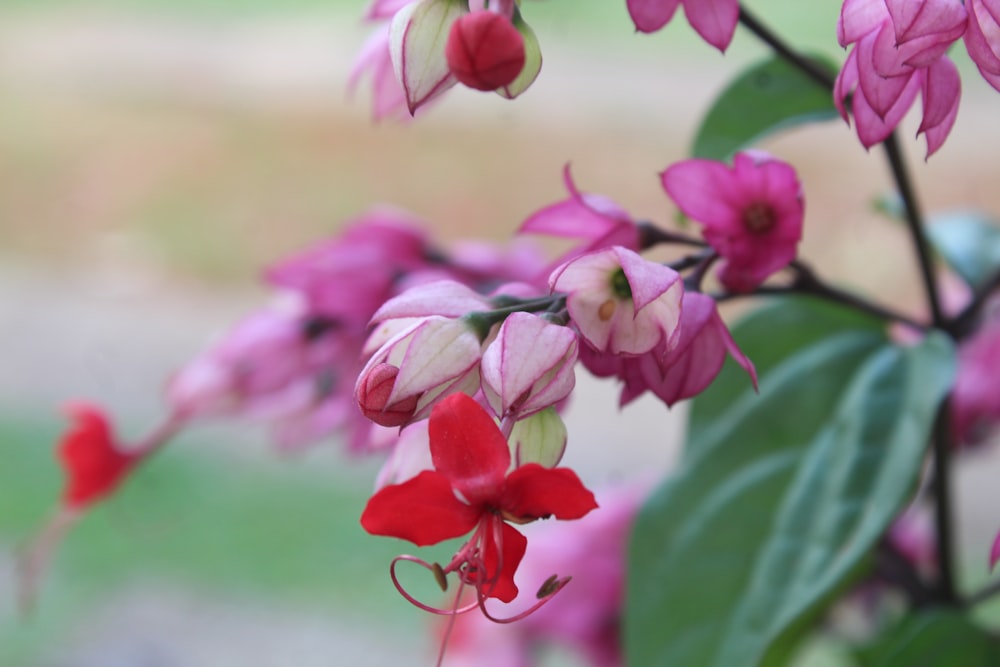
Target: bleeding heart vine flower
point(899, 48)
point(751, 212)
point(620, 302)
point(470, 489)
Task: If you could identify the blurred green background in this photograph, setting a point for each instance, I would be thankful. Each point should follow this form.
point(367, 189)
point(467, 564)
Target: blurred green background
point(155, 154)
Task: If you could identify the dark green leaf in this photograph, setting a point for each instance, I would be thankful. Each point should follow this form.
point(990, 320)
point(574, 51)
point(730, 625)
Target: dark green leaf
point(937, 638)
point(768, 97)
point(969, 241)
point(781, 501)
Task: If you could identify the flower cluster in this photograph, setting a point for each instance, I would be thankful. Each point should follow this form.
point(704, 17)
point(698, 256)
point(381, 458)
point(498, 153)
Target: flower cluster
point(424, 47)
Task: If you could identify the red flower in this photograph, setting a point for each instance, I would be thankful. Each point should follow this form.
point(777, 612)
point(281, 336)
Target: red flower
point(94, 464)
point(484, 50)
point(470, 488)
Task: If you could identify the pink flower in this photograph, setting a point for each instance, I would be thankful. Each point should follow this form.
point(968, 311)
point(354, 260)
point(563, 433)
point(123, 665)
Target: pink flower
point(351, 275)
point(529, 366)
point(620, 302)
point(683, 371)
point(975, 400)
point(982, 38)
point(388, 96)
point(593, 219)
point(484, 50)
point(899, 52)
point(416, 368)
point(751, 212)
point(714, 20)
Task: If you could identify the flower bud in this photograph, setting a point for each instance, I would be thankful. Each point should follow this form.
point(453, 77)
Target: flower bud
point(374, 390)
point(541, 439)
point(485, 51)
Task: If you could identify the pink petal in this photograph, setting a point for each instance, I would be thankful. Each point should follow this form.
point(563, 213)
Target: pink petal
point(714, 20)
point(858, 18)
point(872, 128)
point(446, 298)
point(649, 280)
point(384, 9)
point(940, 94)
point(422, 510)
point(468, 448)
point(880, 91)
point(651, 15)
point(995, 552)
point(696, 186)
point(912, 20)
point(417, 39)
point(847, 80)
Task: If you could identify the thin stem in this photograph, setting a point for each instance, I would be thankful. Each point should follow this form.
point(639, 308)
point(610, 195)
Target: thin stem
point(943, 511)
point(915, 224)
point(807, 66)
point(964, 323)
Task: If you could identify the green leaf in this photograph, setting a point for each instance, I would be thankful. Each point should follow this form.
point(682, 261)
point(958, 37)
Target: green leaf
point(781, 501)
point(767, 97)
point(969, 241)
point(937, 638)
point(767, 336)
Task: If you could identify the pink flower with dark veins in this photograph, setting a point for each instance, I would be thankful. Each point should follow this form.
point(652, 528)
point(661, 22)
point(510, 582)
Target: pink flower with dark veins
point(751, 213)
point(982, 38)
point(899, 51)
point(620, 302)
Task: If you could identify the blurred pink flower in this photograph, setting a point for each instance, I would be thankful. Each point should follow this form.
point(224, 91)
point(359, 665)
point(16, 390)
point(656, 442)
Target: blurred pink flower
point(899, 48)
point(585, 616)
point(982, 38)
point(714, 20)
point(751, 212)
point(388, 96)
point(620, 302)
point(975, 402)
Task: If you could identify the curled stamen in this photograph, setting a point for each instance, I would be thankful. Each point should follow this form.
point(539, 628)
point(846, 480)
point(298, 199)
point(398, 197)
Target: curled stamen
point(556, 587)
point(414, 601)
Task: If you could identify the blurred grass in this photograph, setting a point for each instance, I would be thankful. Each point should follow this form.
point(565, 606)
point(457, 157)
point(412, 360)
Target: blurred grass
point(208, 523)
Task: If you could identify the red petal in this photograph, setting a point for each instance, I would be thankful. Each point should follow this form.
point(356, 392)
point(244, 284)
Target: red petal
point(513, 545)
point(468, 448)
point(94, 465)
point(423, 510)
point(535, 492)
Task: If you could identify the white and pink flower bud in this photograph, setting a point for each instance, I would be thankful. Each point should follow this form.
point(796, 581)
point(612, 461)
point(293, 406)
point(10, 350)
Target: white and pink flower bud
point(485, 51)
point(620, 302)
point(417, 38)
point(529, 366)
point(532, 60)
point(446, 298)
point(430, 359)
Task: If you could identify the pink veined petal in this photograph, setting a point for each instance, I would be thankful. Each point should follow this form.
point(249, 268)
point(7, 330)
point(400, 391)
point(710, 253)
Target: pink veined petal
point(700, 188)
point(858, 18)
point(651, 15)
point(535, 492)
point(446, 298)
point(417, 36)
point(580, 216)
point(468, 448)
point(873, 129)
point(714, 20)
point(982, 38)
point(916, 19)
point(940, 94)
point(881, 92)
point(422, 510)
point(847, 80)
point(649, 281)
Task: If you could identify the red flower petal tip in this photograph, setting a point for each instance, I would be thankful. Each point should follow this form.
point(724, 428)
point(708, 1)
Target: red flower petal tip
point(94, 464)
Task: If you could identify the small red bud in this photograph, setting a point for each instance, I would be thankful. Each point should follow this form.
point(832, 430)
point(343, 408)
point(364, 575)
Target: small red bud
point(373, 394)
point(484, 50)
point(93, 462)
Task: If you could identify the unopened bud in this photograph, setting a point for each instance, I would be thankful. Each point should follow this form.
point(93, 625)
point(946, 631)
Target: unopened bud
point(373, 394)
point(484, 50)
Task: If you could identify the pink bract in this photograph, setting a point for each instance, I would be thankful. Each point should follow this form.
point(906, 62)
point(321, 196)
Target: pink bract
point(714, 20)
point(751, 213)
